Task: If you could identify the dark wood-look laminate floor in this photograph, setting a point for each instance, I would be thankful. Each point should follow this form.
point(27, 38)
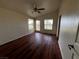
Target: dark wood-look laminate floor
point(33, 46)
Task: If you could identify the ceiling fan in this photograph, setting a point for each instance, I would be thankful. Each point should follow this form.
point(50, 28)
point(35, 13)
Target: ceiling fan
point(36, 9)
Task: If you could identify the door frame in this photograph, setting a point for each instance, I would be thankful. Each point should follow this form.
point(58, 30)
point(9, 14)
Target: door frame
point(59, 24)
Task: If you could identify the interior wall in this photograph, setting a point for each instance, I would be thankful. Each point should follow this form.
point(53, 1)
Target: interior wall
point(12, 26)
point(68, 27)
point(54, 16)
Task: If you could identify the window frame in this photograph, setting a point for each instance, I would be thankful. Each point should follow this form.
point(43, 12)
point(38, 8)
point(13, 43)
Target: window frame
point(29, 28)
point(48, 24)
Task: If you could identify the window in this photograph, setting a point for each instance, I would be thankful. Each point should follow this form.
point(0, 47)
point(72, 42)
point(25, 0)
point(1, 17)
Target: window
point(38, 25)
point(30, 24)
point(48, 24)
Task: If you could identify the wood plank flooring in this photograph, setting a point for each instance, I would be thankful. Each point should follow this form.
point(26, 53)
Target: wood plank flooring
point(33, 46)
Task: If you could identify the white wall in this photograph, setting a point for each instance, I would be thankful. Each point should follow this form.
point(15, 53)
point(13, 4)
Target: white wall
point(12, 26)
point(69, 22)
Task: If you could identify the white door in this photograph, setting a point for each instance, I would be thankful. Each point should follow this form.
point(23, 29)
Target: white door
point(37, 25)
point(76, 46)
point(68, 27)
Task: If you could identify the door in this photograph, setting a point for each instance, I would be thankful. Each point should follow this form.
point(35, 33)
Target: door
point(68, 31)
point(37, 25)
point(76, 46)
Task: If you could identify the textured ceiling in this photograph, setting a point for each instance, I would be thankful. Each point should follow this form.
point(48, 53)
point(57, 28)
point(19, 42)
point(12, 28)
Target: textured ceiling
point(25, 6)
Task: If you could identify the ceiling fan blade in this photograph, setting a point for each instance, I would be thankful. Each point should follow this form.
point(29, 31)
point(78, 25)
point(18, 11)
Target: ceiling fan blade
point(41, 9)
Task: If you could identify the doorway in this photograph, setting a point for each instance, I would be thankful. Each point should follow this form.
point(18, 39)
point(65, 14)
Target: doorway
point(37, 25)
